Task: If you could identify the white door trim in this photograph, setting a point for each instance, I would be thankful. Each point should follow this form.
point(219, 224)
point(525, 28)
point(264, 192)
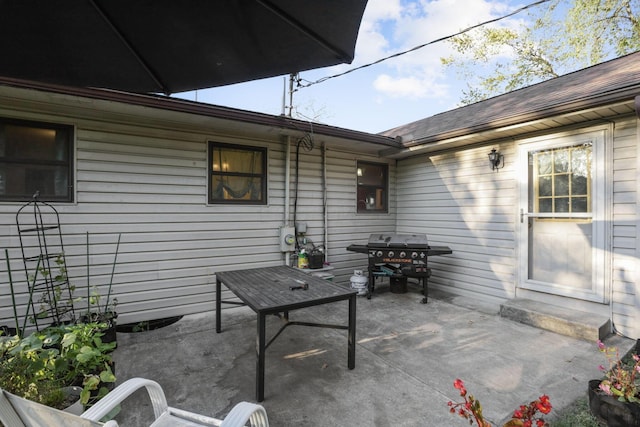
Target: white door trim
point(601, 211)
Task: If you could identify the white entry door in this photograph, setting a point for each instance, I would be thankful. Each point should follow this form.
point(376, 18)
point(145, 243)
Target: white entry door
point(562, 215)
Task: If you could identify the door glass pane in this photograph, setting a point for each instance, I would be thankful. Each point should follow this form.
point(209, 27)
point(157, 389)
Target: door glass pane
point(544, 163)
point(561, 161)
point(561, 204)
point(545, 206)
point(561, 183)
point(579, 204)
point(579, 185)
point(560, 249)
point(561, 174)
point(545, 190)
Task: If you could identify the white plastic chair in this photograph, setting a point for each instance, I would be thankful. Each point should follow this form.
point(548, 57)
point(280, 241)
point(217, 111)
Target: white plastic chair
point(18, 412)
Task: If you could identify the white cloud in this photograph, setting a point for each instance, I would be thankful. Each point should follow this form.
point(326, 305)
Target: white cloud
point(412, 87)
point(391, 26)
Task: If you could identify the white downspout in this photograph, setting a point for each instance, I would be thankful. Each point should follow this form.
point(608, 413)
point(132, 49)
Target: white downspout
point(325, 209)
point(287, 185)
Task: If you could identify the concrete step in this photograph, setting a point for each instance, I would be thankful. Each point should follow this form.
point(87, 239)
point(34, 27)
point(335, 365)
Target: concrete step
point(577, 324)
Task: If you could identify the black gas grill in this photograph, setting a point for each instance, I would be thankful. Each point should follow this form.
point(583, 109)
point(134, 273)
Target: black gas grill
point(399, 256)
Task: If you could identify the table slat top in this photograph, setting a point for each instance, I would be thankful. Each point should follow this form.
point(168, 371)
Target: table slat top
point(267, 289)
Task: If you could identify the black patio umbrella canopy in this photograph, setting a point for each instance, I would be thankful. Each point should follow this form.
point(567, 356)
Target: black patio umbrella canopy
point(170, 46)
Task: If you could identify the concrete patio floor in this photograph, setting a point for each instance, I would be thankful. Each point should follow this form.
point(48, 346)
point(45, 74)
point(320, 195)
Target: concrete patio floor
point(408, 355)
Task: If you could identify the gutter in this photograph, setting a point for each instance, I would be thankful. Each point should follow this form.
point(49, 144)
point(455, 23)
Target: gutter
point(437, 142)
point(208, 110)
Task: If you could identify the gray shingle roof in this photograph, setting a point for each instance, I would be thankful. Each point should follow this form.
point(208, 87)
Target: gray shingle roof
point(608, 82)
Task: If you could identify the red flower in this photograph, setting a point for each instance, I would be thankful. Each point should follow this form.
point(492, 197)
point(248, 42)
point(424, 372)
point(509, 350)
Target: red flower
point(525, 416)
point(459, 385)
point(543, 405)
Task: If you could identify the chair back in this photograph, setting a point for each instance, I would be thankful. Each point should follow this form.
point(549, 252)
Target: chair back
point(19, 412)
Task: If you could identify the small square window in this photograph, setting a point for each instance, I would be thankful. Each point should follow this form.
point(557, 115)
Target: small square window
point(35, 157)
point(373, 187)
point(238, 174)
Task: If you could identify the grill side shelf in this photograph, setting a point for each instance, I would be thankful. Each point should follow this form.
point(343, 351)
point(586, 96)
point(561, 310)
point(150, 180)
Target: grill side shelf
point(363, 249)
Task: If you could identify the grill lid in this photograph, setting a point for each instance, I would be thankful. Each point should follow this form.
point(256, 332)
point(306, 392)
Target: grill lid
point(393, 240)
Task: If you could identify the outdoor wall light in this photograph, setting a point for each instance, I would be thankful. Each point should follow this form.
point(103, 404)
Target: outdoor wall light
point(496, 159)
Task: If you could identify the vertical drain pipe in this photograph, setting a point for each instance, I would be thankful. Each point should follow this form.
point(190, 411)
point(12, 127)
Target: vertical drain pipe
point(287, 184)
point(325, 213)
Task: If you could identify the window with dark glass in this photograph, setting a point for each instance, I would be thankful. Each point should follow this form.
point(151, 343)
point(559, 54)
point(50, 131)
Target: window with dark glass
point(372, 187)
point(35, 157)
point(238, 174)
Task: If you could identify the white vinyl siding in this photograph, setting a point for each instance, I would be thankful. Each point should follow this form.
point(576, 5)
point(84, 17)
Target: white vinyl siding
point(146, 177)
point(458, 201)
point(142, 172)
point(626, 287)
point(345, 225)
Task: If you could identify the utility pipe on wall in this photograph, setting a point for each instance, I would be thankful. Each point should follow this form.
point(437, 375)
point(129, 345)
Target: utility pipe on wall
point(287, 181)
point(325, 212)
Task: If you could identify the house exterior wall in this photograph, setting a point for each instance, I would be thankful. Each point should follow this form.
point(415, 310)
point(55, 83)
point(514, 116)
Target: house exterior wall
point(625, 297)
point(460, 202)
point(141, 173)
point(345, 226)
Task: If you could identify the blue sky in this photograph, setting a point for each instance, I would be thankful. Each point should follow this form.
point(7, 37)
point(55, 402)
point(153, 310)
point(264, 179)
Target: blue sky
point(380, 97)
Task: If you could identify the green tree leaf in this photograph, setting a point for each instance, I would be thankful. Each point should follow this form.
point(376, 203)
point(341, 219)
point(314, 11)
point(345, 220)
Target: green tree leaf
point(557, 38)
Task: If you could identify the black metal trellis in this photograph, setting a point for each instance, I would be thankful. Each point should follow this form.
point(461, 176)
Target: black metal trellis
point(50, 294)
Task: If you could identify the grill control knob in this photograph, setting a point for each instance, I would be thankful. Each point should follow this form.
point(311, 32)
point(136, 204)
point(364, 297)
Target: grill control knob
point(379, 254)
point(414, 255)
point(403, 254)
point(391, 254)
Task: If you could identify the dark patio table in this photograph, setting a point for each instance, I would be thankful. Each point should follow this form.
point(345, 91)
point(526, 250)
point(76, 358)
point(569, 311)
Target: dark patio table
point(268, 291)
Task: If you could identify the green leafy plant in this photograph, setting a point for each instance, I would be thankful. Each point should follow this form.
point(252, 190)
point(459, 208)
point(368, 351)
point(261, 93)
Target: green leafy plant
point(525, 416)
point(29, 370)
point(96, 312)
point(621, 377)
point(39, 365)
point(56, 300)
point(89, 359)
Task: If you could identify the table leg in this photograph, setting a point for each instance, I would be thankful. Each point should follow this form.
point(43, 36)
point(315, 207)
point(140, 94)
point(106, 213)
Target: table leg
point(218, 306)
point(260, 350)
point(351, 363)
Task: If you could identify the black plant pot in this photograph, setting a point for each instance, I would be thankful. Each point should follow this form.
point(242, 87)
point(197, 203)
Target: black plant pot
point(7, 331)
point(110, 333)
point(610, 410)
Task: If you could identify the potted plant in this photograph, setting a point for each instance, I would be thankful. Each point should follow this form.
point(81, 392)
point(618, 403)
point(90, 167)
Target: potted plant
point(30, 368)
point(41, 365)
point(88, 359)
point(97, 312)
point(525, 416)
point(615, 400)
point(105, 316)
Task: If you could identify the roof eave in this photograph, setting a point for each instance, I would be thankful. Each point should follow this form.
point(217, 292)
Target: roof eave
point(287, 124)
point(446, 140)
